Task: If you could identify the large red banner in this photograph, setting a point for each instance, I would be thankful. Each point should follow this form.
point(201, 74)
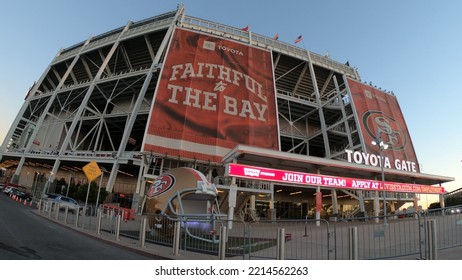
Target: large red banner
point(379, 115)
point(213, 94)
point(284, 176)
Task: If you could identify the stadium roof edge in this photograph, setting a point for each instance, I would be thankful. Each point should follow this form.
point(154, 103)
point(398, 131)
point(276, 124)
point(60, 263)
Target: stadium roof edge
point(276, 159)
point(259, 40)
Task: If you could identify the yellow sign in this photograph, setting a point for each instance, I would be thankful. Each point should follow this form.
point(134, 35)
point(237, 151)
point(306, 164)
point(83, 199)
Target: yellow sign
point(92, 171)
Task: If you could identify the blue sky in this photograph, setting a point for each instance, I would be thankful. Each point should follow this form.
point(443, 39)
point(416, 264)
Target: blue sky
point(412, 48)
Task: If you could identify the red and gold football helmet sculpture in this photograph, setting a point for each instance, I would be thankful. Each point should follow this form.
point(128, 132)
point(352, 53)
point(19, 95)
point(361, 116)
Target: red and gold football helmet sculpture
point(181, 191)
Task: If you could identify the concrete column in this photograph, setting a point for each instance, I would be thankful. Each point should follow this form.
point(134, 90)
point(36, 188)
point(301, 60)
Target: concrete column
point(334, 204)
point(392, 210)
point(362, 208)
point(138, 196)
point(442, 204)
point(252, 202)
point(416, 205)
point(318, 205)
point(232, 197)
point(272, 211)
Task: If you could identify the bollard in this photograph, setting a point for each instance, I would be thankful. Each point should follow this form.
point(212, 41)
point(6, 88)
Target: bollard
point(353, 243)
point(281, 244)
point(176, 238)
point(223, 239)
point(98, 222)
point(66, 211)
point(142, 232)
point(49, 207)
point(117, 229)
point(40, 206)
point(77, 215)
point(432, 243)
point(57, 212)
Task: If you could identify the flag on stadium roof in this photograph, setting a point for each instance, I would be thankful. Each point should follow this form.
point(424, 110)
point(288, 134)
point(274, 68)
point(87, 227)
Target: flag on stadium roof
point(299, 38)
point(276, 37)
point(246, 28)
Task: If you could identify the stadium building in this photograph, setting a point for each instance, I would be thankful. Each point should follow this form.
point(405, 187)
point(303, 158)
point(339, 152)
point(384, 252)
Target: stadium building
point(282, 132)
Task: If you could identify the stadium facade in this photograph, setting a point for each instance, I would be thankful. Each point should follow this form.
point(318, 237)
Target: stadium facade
point(281, 131)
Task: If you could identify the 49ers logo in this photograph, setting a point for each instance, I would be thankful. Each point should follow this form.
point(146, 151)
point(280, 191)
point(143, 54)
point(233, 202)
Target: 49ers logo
point(161, 184)
point(386, 127)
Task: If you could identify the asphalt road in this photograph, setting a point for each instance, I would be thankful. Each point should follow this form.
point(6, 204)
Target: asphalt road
point(25, 235)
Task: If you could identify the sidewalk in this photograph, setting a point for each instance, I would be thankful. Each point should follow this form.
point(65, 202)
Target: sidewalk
point(156, 251)
point(454, 253)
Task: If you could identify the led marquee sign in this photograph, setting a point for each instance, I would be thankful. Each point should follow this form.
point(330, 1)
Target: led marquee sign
point(284, 176)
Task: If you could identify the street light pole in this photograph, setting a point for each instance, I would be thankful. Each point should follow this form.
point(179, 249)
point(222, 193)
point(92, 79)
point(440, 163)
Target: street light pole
point(34, 187)
point(382, 146)
point(69, 185)
point(99, 186)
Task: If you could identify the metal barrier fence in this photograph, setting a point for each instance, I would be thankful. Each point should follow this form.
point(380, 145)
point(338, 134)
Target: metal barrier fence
point(448, 226)
point(377, 240)
point(303, 239)
point(419, 235)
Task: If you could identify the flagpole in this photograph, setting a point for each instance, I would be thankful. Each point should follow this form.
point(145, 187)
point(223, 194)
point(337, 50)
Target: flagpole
point(304, 47)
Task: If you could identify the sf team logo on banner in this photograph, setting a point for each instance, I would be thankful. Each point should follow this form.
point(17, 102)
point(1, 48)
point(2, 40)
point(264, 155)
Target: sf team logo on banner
point(161, 185)
point(389, 129)
point(380, 116)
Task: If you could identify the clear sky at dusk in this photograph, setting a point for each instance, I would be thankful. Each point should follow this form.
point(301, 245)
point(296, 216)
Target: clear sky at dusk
point(412, 48)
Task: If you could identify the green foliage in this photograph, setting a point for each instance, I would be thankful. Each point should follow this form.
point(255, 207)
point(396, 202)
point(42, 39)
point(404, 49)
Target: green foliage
point(79, 192)
point(434, 205)
point(453, 201)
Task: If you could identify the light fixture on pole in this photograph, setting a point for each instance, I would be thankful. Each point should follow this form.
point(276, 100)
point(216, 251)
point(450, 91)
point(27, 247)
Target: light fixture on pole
point(382, 146)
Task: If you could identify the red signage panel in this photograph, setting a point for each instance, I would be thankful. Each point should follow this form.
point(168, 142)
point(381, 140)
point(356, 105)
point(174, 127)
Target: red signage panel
point(213, 94)
point(379, 115)
point(284, 176)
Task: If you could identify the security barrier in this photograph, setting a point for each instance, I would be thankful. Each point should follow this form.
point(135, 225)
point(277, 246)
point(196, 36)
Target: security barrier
point(417, 236)
point(127, 214)
point(448, 228)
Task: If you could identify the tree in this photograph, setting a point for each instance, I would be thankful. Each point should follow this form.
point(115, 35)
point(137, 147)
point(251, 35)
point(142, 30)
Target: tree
point(79, 192)
point(434, 205)
point(452, 201)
